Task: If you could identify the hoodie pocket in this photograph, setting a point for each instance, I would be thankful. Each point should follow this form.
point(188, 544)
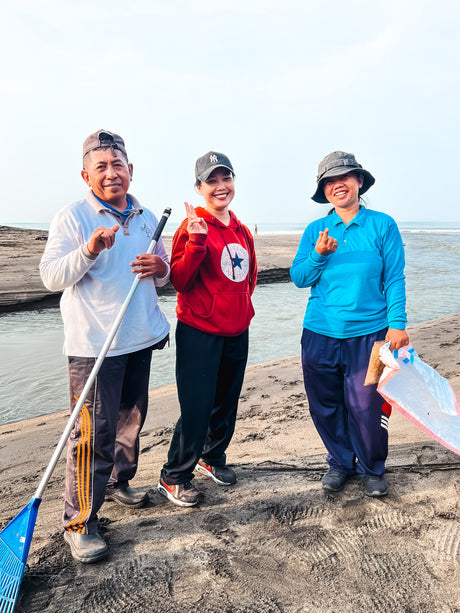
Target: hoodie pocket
point(230, 313)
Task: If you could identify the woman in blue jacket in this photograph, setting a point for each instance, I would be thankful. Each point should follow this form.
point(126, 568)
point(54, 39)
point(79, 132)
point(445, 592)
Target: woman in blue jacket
point(353, 260)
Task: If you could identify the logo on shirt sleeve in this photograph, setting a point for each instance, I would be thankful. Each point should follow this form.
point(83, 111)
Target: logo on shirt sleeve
point(235, 262)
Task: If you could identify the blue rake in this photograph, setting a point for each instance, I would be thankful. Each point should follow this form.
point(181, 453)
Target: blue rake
point(15, 539)
point(15, 542)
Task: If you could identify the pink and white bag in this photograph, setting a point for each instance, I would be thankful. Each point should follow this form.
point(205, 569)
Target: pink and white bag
point(421, 394)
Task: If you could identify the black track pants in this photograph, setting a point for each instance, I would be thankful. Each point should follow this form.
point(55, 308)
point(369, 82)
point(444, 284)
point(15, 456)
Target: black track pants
point(209, 372)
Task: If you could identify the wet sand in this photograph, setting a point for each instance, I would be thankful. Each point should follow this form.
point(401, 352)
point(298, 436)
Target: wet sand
point(274, 542)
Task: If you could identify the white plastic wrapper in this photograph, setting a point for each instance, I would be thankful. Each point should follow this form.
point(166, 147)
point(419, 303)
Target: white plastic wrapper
point(421, 394)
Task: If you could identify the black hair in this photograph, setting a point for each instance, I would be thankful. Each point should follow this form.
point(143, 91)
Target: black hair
point(104, 148)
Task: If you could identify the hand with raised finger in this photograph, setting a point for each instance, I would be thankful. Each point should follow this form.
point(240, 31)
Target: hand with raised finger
point(195, 225)
point(325, 245)
point(148, 265)
point(102, 238)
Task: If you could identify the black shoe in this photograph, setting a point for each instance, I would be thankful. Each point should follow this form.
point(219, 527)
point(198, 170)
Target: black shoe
point(182, 494)
point(375, 486)
point(334, 480)
point(125, 495)
point(86, 548)
point(223, 475)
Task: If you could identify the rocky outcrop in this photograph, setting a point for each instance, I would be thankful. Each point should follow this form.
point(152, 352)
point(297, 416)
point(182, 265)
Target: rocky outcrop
point(21, 249)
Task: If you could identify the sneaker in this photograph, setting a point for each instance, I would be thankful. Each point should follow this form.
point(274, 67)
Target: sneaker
point(86, 548)
point(182, 494)
point(127, 496)
point(334, 480)
point(375, 486)
point(223, 475)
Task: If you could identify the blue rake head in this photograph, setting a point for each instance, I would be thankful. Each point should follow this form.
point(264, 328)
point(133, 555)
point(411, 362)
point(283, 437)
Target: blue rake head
point(15, 542)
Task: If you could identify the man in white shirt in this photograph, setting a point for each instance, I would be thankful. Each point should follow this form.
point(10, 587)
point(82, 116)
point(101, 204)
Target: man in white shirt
point(94, 247)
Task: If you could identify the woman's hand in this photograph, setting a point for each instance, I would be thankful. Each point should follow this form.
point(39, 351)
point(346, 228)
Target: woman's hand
point(195, 225)
point(398, 338)
point(325, 245)
point(148, 265)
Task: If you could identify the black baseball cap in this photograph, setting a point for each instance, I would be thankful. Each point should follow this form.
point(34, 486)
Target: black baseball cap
point(209, 162)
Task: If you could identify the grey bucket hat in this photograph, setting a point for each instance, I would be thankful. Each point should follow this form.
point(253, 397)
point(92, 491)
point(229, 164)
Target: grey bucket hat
point(336, 164)
point(209, 162)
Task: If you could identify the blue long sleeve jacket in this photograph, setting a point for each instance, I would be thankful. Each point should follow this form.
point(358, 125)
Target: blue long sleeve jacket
point(360, 288)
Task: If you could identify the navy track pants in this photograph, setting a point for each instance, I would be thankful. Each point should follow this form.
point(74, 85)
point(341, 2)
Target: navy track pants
point(352, 419)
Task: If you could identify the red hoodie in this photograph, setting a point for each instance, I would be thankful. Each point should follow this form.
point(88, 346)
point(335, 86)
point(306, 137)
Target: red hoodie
point(215, 275)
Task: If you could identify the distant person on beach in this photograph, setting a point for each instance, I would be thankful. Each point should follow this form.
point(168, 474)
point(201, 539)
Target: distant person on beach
point(94, 247)
point(214, 270)
point(256, 232)
point(353, 260)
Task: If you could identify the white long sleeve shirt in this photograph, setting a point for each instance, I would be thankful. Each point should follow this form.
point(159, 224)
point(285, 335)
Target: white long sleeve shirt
point(94, 288)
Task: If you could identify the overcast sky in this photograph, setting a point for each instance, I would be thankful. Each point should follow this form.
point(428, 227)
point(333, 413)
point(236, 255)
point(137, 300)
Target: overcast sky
point(275, 85)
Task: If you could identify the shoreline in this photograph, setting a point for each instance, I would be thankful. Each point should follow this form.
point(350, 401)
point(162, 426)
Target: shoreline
point(276, 542)
point(430, 345)
point(21, 287)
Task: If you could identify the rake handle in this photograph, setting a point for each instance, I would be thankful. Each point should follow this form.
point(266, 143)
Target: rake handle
point(97, 365)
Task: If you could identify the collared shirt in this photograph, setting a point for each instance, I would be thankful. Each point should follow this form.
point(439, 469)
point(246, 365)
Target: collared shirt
point(95, 287)
point(360, 288)
point(123, 214)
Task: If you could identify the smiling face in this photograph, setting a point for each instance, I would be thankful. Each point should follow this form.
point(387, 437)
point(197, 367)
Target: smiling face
point(108, 174)
point(343, 191)
point(218, 191)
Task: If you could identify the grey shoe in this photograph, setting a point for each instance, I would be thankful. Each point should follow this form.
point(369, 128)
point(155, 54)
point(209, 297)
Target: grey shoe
point(375, 486)
point(223, 475)
point(182, 494)
point(86, 548)
point(125, 495)
point(334, 480)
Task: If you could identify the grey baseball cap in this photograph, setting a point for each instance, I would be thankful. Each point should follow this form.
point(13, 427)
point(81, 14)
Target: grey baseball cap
point(103, 138)
point(209, 162)
point(336, 164)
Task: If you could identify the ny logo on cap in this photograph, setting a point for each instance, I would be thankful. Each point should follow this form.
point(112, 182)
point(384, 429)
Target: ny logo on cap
point(213, 158)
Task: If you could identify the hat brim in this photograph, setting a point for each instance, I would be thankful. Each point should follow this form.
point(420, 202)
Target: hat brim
point(205, 175)
point(368, 181)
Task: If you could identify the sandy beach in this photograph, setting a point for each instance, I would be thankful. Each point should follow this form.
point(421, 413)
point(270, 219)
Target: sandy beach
point(274, 542)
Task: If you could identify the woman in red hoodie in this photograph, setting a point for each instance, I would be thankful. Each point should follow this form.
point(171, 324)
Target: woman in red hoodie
point(214, 270)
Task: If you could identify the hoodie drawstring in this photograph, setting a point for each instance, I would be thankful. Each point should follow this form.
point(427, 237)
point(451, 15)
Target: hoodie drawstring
point(228, 249)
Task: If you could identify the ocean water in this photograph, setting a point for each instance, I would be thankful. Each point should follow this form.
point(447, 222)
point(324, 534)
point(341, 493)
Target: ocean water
point(33, 371)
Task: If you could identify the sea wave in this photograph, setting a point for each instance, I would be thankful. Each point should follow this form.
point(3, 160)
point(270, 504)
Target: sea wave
point(430, 231)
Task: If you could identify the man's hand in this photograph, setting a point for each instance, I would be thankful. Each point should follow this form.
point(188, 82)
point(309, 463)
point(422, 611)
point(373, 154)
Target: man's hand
point(196, 225)
point(325, 245)
point(398, 338)
point(102, 238)
point(148, 265)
